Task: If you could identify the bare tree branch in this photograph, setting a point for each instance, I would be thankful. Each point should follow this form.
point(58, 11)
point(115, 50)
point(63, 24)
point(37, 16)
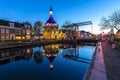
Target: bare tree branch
point(113, 21)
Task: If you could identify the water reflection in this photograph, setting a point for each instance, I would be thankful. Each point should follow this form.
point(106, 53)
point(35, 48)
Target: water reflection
point(11, 55)
point(38, 54)
point(38, 57)
point(59, 57)
point(73, 54)
point(51, 51)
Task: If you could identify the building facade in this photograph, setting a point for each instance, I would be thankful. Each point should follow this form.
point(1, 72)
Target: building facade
point(51, 29)
point(15, 31)
point(118, 34)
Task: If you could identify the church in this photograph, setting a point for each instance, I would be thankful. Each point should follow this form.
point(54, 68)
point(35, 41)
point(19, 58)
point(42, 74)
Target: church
point(51, 29)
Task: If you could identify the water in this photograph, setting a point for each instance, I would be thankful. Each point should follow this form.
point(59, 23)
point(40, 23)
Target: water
point(49, 62)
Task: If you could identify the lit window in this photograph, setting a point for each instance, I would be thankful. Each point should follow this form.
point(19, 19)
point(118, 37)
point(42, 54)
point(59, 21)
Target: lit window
point(18, 37)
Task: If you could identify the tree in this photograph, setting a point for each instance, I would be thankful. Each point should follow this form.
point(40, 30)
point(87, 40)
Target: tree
point(67, 28)
point(115, 19)
point(112, 21)
point(36, 28)
point(67, 22)
point(105, 23)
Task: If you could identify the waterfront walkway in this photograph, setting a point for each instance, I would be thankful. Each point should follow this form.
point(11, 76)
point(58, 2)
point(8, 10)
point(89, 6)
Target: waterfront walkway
point(112, 61)
point(98, 71)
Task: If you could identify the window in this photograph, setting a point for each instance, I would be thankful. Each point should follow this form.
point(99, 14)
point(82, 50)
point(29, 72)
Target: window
point(17, 31)
point(28, 26)
point(7, 30)
point(2, 30)
point(23, 32)
point(12, 31)
point(11, 24)
point(25, 25)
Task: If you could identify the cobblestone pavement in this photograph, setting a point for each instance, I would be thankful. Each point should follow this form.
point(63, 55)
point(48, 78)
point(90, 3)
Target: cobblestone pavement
point(112, 61)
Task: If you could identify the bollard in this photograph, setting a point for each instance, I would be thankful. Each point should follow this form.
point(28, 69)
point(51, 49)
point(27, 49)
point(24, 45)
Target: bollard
point(113, 46)
point(99, 49)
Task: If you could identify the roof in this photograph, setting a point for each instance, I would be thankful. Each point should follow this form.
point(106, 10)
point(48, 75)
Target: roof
point(51, 58)
point(51, 8)
point(118, 32)
point(50, 20)
point(6, 23)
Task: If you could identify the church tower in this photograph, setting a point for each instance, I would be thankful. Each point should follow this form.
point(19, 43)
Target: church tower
point(50, 28)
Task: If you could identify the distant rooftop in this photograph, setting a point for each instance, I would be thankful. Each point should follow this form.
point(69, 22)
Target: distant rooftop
point(7, 23)
point(16, 24)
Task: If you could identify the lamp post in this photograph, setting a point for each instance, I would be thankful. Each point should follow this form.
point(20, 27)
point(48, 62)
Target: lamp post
point(103, 35)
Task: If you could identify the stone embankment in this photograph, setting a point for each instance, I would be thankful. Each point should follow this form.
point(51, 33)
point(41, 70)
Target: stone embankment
point(6, 45)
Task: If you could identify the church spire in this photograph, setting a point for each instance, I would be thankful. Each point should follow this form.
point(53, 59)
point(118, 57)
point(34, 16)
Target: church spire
point(51, 20)
point(51, 8)
point(51, 12)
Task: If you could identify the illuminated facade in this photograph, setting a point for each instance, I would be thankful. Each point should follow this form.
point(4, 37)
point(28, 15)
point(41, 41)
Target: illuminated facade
point(15, 31)
point(26, 31)
point(118, 34)
point(51, 29)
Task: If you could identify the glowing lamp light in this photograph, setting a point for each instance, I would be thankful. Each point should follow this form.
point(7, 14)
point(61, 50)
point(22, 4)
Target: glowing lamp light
point(18, 38)
point(51, 12)
point(28, 33)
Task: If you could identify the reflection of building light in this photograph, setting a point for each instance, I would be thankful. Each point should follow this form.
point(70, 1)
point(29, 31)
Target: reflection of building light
point(23, 37)
point(61, 51)
point(28, 36)
point(28, 50)
point(51, 65)
point(43, 51)
point(48, 55)
point(55, 54)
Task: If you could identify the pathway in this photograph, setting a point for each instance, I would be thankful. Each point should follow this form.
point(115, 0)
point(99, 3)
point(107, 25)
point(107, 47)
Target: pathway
point(112, 61)
point(98, 71)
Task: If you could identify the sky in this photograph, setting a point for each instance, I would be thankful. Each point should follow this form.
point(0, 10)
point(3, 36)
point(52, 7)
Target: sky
point(74, 10)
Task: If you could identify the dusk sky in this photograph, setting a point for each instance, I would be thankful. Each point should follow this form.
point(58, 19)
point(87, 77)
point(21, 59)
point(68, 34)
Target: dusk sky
point(74, 10)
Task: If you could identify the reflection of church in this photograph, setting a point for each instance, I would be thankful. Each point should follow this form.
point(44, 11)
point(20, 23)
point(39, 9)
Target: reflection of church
point(50, 29)
point(51, 51)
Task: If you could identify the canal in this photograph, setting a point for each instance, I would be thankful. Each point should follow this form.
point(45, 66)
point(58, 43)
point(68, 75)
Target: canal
point(48, 62)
